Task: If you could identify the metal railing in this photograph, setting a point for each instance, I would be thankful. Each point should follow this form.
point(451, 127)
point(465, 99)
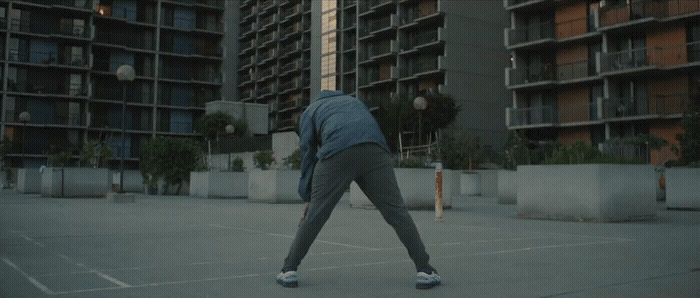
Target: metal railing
point(671, 104)
point(532, 116)
point(534, 32)
point(574, 70)
point(618, 14)
point(629, 59)
point(122, 39)
point(625, 107)
point(530, 75)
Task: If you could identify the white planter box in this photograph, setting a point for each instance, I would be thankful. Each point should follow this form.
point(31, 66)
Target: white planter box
point(28, 181)
point(75, 182)
point(470, 184)
point(219, 184)
point(133, 181)
point(683, 188)
point(274, 186)
point(3, 179)
point(590, 192)
point(417, 188)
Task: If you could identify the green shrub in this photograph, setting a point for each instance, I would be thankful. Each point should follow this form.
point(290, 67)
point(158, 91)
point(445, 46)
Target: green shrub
point(95, 154)
point(60, 160)
point(263, 159)
point(237, 165)
point(690, 139)
point(515, 152)
point(580, 153)
point(461, 151)
point(293, 161)
point(171, 159)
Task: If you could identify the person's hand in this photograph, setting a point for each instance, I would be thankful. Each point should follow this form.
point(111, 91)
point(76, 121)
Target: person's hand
point(303, 214)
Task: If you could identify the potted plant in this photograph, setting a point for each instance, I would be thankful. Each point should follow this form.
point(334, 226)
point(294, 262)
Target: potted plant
point(157, 161)
point(274, 185)
point(64, 179)
point(463, 151)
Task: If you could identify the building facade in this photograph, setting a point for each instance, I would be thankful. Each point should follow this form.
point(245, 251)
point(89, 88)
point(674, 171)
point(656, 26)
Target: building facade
point(59, 63)
point(600, 70)
point(383, 49)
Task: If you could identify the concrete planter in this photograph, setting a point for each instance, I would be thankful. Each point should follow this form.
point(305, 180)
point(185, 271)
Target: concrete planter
point(683, 188)
point(590, 192)
point(470, 184)
point(133, 181)
point(507, 187)
point(274, 186)
point(28, 181)
point(219, 184)
point(4, 181)
point(75, 182)
point(417, 188)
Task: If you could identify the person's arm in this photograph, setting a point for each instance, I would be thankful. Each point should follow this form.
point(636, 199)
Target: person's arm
point(308, 144)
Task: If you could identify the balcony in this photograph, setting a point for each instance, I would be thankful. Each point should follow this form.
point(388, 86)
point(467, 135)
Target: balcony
point(268, 90)
point(267, 74)
point(246, 30)
point(375, 6)
point(291, 85)
point(248, 46)
point(629, 61)
point(50, 58)
point(379, 27)
point(124, 40)
point(248, 94)
point(268, 22)
point(39, 89)
point(380, 50)
point(245, 62)
point(672, 106)
point(292, 48)
point(424, 41)
point(245, 79)
point(533, 36)
point(293, 66)
point(572, 29)
point(63, 30)
point(291, 30)
point(266, 56)
point(112, 92)
point(124, 14)
point(218, 4)
point(639, 12)
point(291, 12)
point(528, 4)
point(530, 77)
point(575, 71)
point(540, 116)
point(626, 108)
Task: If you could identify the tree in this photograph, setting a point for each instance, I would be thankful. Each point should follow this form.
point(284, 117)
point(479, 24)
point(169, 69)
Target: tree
point(95, 154)
point(171, 159)
point(515, 151)
point(212, 125)
point(690, 139)
point(461, 151)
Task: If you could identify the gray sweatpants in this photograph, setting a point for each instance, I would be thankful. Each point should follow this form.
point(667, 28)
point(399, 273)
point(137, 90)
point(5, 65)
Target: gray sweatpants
point(372, 169)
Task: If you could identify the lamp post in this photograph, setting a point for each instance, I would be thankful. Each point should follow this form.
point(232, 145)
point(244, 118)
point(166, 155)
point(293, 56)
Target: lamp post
point(229, 131)
point(24, 117)
point(420, 103)
point(125, 75)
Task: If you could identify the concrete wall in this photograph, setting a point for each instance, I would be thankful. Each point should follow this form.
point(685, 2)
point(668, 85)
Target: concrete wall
point(683, 188)
point(470, 184)
point(417, 188)
point(274, 186)
point(591, 192)
point(75, 182)
point(507, 187)
point(219, 184)
point(4, 182)
point(489, 183)
point(28, 181)
point(133, 181)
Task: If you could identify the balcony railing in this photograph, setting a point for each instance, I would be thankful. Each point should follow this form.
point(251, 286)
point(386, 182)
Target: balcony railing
point(62, 30)
point(123, 39)
point(518, 76)
point(531, 116)
point(291, 11)
point(576, 70)
point(647, 9)
point(374, 26)
point(422, 38)
point(625, 107)
point(379, 49)
point(534, 32)
point(291, 66)
point(47, 58)
point(629, 59)
point(292, 47)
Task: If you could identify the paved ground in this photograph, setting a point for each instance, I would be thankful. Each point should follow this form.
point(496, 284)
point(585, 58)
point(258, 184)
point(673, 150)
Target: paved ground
point(187, 247)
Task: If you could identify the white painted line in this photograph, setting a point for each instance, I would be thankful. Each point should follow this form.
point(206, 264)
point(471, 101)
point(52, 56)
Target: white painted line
point(292, 237)
point(33, 281)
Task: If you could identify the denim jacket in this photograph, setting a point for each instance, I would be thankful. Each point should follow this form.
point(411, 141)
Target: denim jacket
point(332, 123)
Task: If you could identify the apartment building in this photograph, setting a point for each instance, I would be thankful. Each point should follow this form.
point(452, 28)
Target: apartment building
point(274, 58)
point(59, 60)
point(597, 70)
point(379, 49)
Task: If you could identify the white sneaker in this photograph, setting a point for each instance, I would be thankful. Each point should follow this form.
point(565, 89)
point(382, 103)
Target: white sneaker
point(288, 279)
point(427, 281)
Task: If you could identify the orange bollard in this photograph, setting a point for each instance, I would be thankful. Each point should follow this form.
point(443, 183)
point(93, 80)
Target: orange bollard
point(438, 192)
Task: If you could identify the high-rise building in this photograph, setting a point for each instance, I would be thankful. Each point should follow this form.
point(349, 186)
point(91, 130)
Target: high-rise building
point(59, 63)
point(381, 49)
point(275, 58)
point(598, 70)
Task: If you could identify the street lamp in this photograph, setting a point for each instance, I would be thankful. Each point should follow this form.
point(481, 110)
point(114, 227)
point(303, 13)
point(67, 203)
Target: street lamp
point(24, 117)
point(125, 75)
point(229, 131)
point(420, 103)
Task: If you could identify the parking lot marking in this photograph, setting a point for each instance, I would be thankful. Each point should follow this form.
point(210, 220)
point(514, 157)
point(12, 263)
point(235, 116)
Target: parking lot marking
point(292, 237)
point(32, 280)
